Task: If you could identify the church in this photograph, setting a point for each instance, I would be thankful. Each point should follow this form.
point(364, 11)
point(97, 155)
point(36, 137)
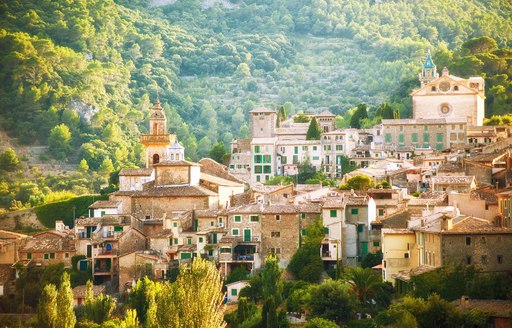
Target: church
point(448, 96)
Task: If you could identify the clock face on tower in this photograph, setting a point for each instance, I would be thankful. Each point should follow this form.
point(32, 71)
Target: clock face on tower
point(444, 86)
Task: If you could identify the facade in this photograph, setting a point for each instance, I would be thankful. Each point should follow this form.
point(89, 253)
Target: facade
point(448, 96)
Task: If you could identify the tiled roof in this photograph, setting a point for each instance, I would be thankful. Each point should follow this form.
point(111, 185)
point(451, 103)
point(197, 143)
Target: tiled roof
point(498, 308)
point(453, 180)
point(145, 172)
point(265, 209)
point(220, 181)
point(105, 204)
point(334, 202)
point(488, 157)
point(48, 245)
point(175, 191)
point(187, 248)
point(210, 213)
point(310, 208)
point(162, 234)
point(176, 163)
point(488, 195)
point(124, 193)
point(407, 274)
point(396, 231)
point(410, 121)
point(87, 221)
point(325, 113)
point(262, 110)
point(471, 225)
point(6, 234)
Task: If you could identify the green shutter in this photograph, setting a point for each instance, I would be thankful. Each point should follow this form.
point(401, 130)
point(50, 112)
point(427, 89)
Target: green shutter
point(401, 138)
point(414, 137)
point(333, 213)
point(354, 211)
point(185, 256)
point(234, 292)
point(326, 230)
point(388, 137)
point(439, 137)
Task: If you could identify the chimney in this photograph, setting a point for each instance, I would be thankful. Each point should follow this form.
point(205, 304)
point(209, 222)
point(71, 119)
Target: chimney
point(464, 300)
point(446, 222)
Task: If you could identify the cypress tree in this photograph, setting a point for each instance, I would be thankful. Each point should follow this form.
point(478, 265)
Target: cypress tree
point(313, 130)
point(65, 314)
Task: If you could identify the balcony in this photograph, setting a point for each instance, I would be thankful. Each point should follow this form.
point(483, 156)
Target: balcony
point(155, 138)
point(251, 239)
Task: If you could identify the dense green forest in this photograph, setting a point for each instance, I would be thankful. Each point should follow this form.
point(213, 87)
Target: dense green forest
point(80, 76)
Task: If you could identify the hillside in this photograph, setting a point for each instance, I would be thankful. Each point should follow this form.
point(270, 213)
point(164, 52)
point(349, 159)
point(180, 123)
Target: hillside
point(80, 77)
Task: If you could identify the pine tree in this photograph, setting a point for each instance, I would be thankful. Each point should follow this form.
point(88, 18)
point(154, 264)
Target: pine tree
point(9, 160)
point(106, 167)
point(83, 167)
point(360, 114)
point(314, 130)
point(47, 308)
point(65, 314)
point(59, 141)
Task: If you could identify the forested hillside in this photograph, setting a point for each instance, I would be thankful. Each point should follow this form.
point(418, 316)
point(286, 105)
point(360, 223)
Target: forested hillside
point(80, 76)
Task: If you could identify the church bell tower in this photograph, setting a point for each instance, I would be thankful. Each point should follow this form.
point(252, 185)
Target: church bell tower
point(429, 71)
point(157, 141)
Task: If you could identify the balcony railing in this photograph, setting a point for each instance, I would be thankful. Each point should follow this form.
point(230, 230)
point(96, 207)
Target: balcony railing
point(252, 239)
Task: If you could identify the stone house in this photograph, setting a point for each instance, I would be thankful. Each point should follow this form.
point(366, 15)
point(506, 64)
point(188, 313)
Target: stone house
point(234, 288)
point(480, 203)
point(10, 242)
point(49, 247)
point(453, 183)
point(79, 293)
point(134, 178)
point(490, 168)
point(505, 207)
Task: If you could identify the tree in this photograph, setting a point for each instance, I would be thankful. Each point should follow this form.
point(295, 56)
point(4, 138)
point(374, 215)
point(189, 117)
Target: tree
point(47, 308)
point(98, 309)
point(282, 113)
point(9, 160)
point(306, 264)
point(272, 289)
point(314, 130)
point(83, 167)
point(198, 287)
point(360, 114)
point(59, 141)
point(301, 118)
point(106, 167)
point(218, 151)
point(385, 111)
point(204, 147)
point(332, 300)
point(65, 316)
point(480, 45)
point(321, 323)
point(237, 274)
point(306, 171)
point(369, 288)
point(358, 182)
point(371, 260)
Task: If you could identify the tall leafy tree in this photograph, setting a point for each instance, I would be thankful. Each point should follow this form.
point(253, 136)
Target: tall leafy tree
point(272, 291)
point(218, 151)
point(59, 141)
point(314, 130)
point(360, 113)
point(332, 300)
point(65, 314)
point(47, 308)
point(306, 264)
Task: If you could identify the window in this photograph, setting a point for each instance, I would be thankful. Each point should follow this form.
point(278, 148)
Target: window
point(256, 149)
point(483, 259)
point(406, 255)
point(258, 159)
point(258, 169)
point(66, 255)
point(234, 292)
point(333, 213)
point(414, 137)
point(425, 127)
point(425, 137)
point(339, 147)
point(212, 223)
point(275, 234)
point(376, 244)
point(189, 241)
point(267, 159)
point(500, 259)
point(276, 250)
point(303, 232)
point(388, 137)
point(354, 211)
point(267, 169)
point(305, 148)
point(238, 218)
point(326, 230)
point(235, 232)
point(381, 212)
point(200, 239)
point(148, 217)
point(225, 250)
point(484, 240)
point(302, 215)
point(175, 241)
point(29, 256)
point(360, 227)
point(468, 241)
point(46, 256)
point(295, 150)
point(278, 217)
point(52, 256)
point(468, 260)
point(254, 218)
point(401, 138)
point(433, 88)
point(439, 137)
point(175, 224)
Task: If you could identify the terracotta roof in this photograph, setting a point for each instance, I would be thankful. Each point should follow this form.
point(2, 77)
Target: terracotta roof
point(487, 157)
point(220, 181)
point(499, 308)
point(175, 191)
point(187, 248)
point(396, 231)
point(410, 121)
point(124, 193)
point(488, 195)
point(407, 274)
point(79, 291)
point(105, 204)
point(334, 202)
point(471, 225)
point(453, 180)
point(227, 240)
point(48, 245)
point(176, 163)
point(309, 207)
point(211, 213)
point(144, 172)
point(162, 234)
point(265, 209)
point(82, 221)
point(326, 113)
point(308, 187)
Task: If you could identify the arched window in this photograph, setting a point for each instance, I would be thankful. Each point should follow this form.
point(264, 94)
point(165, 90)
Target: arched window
point(156, 158)
point(177, 157)
point(155, 128)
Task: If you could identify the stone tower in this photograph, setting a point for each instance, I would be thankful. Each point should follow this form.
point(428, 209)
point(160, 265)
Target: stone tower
point(157, 141)
point(263, 123)
point(429, 71)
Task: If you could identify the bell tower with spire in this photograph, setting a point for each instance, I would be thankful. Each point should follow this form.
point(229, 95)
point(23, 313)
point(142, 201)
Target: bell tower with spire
point(429, 71)
point(157, 141)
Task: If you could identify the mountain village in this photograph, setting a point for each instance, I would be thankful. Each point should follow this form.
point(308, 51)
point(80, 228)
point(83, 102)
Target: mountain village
point(449, 201)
